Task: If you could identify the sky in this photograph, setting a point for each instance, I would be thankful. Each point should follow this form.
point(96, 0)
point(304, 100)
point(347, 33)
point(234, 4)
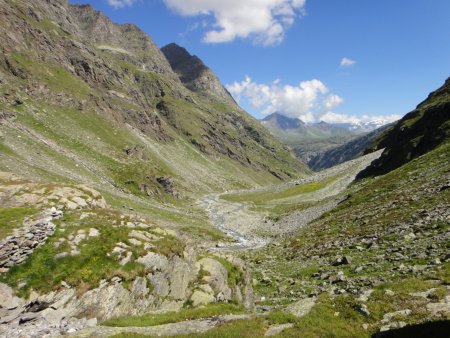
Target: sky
point(330, 60)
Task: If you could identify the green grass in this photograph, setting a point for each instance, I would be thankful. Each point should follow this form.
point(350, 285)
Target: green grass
point(265, 197)
point(43, 272)
point(57, 78)
point(211, 310)
point(322, 321)
point(12, 218)
point(235, 273)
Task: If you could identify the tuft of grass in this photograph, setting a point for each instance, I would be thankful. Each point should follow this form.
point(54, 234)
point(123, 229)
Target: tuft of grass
point(235, 274)
point(280, 317)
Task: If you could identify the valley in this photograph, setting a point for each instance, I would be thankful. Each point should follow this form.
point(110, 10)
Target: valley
point(138, 199)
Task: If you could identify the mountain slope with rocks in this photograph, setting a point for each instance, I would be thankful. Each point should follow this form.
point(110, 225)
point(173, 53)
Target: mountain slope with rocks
point(103, 151)
point(78, 88)
point(195, 75)
point(418, 132)
point(136, 197)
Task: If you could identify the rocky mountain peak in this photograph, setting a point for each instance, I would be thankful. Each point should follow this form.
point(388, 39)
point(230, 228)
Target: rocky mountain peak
point(194, 74)
point(127, 40)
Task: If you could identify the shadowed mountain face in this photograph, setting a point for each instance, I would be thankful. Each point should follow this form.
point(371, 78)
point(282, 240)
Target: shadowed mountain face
point(194, 74)
point(418, 132)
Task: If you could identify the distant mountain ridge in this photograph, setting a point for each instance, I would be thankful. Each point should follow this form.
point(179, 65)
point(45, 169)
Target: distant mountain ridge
point(346, 152)
point(323, 144)
point(280, 121)
point(307, 140)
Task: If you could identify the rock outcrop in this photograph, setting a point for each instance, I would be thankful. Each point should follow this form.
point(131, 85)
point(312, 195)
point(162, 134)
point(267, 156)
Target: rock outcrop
point(170, 283)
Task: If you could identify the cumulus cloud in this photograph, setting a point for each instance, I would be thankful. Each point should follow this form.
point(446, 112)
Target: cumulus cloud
point(307, 101)
point(263, 21)
point(121, 3)
point(310, 101)
point(346, 62)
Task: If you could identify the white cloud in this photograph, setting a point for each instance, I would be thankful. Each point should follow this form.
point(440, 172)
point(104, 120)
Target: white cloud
point(333, 101)
point(263, 21)
point(121, 3)
point(310, 101)
point(346, 62)
point(331, 117)
point(307, 101)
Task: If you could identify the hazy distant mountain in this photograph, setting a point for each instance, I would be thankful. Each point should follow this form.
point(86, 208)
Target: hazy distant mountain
point(363, 127)
point(312, 140)
point(308, 140)
point(346, 152)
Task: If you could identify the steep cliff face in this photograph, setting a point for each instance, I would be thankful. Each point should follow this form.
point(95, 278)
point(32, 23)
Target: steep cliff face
point(82, 89)
point(419, 132)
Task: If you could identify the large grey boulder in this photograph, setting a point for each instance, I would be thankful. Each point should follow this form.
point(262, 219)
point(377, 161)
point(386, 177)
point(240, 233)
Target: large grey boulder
point(217, 277)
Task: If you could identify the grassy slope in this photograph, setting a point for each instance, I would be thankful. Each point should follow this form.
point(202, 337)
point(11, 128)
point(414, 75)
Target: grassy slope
point(376, 208)
point(12, 218)
point(412, 188)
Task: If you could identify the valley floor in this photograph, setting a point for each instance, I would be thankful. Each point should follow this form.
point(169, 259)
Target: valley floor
point(253, 218)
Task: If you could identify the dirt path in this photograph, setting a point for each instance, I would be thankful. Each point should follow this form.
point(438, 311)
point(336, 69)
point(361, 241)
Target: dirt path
point(172, 329)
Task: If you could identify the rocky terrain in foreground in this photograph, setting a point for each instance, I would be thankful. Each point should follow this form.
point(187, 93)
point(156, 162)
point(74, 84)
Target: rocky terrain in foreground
point(125, 265)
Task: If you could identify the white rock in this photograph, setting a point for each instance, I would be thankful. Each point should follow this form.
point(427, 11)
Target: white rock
point(94, 232)
point(201, 298)
point(302, 307)
point(135, 242)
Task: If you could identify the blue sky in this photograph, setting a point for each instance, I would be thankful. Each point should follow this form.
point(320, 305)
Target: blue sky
point(287, 55)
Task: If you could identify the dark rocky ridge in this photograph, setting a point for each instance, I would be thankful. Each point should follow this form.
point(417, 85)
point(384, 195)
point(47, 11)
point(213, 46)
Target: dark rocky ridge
point(194, 74)
point(417, 133)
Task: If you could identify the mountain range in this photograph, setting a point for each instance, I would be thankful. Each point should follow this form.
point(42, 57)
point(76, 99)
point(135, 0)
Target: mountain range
point(322, 145)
